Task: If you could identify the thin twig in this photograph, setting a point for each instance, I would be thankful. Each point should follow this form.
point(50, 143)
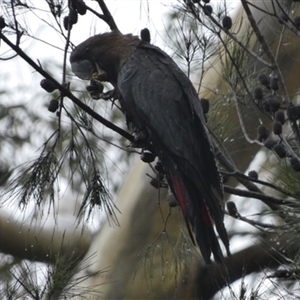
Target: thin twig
point(18, 33)
point(265, 183)
point(274, 66)
point(234, 38)
point(256, 224)
point(260, 196)
point(229, 165)
point(67, 92)
point(107, 17)
point(243, 128)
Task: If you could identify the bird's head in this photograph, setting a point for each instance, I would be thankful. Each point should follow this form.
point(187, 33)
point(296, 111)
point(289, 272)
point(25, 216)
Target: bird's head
point(102, 56)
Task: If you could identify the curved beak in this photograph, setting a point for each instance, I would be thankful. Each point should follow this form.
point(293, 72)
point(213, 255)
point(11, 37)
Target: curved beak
point(84, 69)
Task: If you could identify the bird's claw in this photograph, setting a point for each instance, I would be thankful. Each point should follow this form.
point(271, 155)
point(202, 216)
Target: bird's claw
point(95, 89)
point(108, 95)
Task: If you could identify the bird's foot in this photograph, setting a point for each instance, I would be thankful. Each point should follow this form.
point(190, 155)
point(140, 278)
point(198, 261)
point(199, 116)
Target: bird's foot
point(109, 95)
point(141, 140)
point(95, 89)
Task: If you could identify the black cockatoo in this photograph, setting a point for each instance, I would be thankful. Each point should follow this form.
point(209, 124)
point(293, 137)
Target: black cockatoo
point(159, 99)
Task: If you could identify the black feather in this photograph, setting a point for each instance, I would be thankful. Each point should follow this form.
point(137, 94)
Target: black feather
point(158, 97)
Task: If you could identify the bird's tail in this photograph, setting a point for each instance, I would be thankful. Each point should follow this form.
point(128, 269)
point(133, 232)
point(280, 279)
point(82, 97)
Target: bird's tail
point(196, 212)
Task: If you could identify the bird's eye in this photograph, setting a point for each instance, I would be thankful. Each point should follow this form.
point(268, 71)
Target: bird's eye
point(87, 49)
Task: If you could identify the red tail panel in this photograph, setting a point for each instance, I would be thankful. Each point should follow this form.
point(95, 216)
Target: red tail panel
point(180, 194)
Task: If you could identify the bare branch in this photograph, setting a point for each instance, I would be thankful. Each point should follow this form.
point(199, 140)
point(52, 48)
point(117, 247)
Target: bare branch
point(268, 200)
point(234, 38)
point(107, 17)
point(264, 254)
point(66, 92)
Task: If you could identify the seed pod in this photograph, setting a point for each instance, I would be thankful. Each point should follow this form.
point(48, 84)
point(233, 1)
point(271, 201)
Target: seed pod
point(81, 7)
point(279, 116)
point(207, 9)
point(157, 183)
point(280, 150)
point(293, 112)
point(73, 16)
point(227, 23)
point(232, 210)
point(265, 105)
point(270, 142)
point(297, 21)
point(277, 127)
point(159, 167)
point(57, 11)
point(274, 104)
point(48, 85)
point(270, 103)
point(66, 23)
point(264, 80)
point(295, 163)
point(145, 35)
point(274, 84)
point(147, 157)
point(154, 182)
point(283, 18)
point(172, 200)
point(253, 174)
point(263, 132)
point(258, 93)
point(53, 105)
point(205, 105)
point(2, 23)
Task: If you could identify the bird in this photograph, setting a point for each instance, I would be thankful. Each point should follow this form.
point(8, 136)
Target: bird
point(161, 104)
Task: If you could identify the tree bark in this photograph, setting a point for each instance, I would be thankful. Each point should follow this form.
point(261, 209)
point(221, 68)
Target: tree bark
point(42, 240)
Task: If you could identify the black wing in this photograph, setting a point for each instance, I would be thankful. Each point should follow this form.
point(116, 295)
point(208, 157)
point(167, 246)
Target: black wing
point(157, 96)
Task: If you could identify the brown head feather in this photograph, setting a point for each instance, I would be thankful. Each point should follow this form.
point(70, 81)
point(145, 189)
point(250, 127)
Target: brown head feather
point(108, 51)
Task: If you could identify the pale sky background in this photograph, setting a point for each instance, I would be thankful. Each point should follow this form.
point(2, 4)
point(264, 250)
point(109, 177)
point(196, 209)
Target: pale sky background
point(130, 16)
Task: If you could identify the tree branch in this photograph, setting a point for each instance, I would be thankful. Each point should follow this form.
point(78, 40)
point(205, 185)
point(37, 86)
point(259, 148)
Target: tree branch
point(268, 200)
point(107, 17)
point(232, 37)
point(274, 66)
point(265, 254)
point(66, 92)
point(42, 241)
